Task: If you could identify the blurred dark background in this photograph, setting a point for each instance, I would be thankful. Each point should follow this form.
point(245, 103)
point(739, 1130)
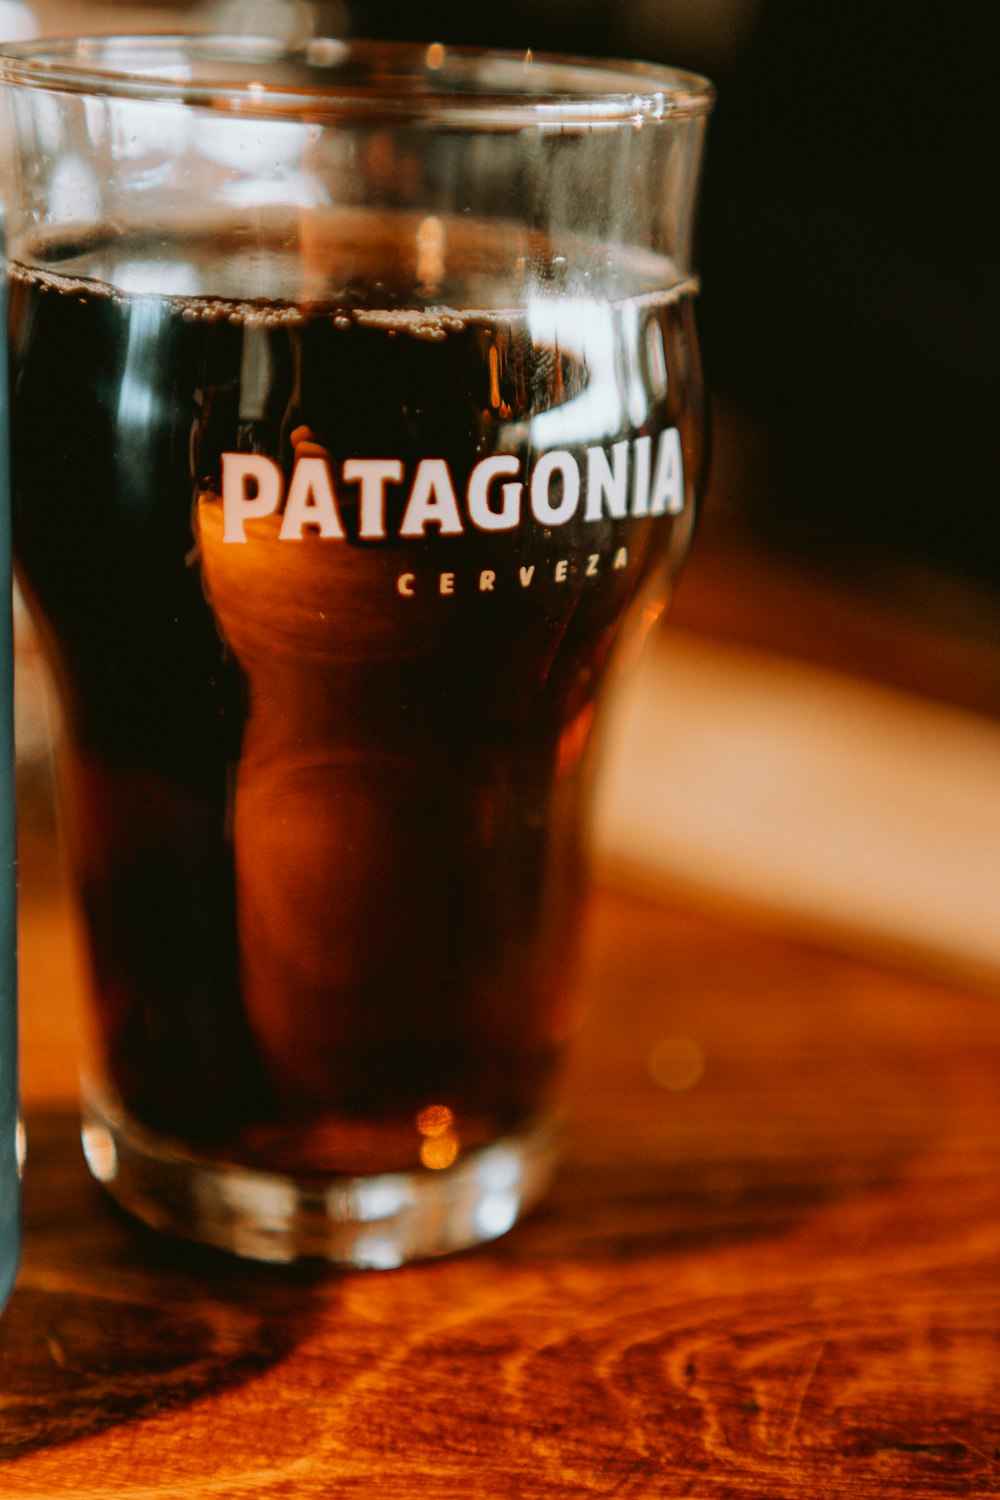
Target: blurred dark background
point(849, 248)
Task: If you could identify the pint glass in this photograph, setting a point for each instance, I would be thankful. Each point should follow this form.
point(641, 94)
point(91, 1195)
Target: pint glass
point(356, 424)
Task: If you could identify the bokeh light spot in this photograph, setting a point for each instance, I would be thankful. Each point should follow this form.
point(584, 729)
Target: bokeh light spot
point(676, 1063)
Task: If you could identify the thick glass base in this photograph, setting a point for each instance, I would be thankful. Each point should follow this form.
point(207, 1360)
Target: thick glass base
point(377, 1222)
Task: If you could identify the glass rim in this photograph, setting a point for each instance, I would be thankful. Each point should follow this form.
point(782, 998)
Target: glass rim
point(413, 82)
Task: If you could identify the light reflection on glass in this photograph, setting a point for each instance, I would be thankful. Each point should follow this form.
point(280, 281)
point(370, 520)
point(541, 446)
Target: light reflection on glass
point(99, 1149)
point(573, 740)
point(167, 278)
point(256, 1244)
point(439, 1151)
point(584, 331)
point(74, 193)
point(377, 1253)
point(632, 648)
point(267, 1201)
point(136, 131)
point(439, 1147)
point(656, 359)
point(497, 1213)
point(499, 1169)
point(270, 147)
point(381, 1198)
point(430, 252)
point(137, 394)
point(435, 1120)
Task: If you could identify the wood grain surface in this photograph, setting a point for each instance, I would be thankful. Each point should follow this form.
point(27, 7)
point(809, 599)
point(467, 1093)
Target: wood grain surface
point(770, 1268)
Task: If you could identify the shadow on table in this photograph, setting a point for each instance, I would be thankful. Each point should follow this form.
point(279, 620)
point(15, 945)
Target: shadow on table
point(628, 1212)
point(110, 1322)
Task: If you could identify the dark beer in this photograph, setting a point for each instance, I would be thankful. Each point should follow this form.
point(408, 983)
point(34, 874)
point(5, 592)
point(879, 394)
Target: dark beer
point(327, 675)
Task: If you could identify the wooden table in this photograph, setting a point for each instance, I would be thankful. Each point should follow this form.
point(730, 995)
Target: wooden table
point(770, 1266)
point(774, 1273)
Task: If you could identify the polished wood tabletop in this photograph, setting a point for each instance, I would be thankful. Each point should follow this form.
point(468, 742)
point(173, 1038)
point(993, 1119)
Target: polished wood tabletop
point(770, 1266)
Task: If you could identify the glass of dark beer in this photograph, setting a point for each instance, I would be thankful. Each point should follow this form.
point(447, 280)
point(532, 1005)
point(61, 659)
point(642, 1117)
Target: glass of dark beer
point(356, 429)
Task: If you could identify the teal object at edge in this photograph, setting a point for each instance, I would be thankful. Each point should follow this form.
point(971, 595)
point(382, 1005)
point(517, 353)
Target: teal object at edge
point(10, 1195)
